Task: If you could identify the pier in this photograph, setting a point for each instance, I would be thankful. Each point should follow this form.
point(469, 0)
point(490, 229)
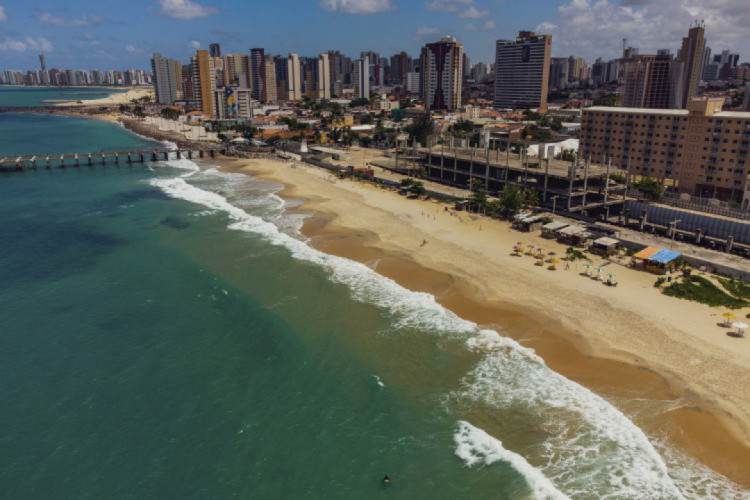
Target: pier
point(77, 160)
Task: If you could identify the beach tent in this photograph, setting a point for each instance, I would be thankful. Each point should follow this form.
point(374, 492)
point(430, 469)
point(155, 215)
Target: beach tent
point(550, 230)
point(604, 246)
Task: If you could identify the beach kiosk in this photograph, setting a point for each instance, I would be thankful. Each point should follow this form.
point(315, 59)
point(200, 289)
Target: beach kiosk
point(528, 221)
point(657, 260)
point(574, 235)
point(604, 246)
point(550, 230)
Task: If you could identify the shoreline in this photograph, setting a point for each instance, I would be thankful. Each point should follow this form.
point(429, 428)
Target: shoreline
point(702, 426)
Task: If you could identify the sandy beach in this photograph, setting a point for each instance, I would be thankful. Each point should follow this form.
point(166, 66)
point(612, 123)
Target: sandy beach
point(626, 343)
point(113, 99)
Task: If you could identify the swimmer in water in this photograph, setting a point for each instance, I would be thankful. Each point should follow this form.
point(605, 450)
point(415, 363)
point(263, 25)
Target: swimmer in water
point(386, 480)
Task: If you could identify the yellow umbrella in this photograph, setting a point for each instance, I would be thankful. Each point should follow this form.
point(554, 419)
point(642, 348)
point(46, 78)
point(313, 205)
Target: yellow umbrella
point(554, 263)
point(729, 317)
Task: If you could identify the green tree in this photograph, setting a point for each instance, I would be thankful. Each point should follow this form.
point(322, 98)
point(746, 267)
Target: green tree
point(417, 189)
point(650, 188)
point(365, 141)
point(543, 136)
point(607, 100)
point(566, 155)
point(512, 200)
point(478, 196)
point(367, 119)
point(420, 128)
point(362, 101)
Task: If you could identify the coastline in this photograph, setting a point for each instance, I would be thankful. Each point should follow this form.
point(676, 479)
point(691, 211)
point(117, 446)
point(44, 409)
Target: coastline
point(355, 224)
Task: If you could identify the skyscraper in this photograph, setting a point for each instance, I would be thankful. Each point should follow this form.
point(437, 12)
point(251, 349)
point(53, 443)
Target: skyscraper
point(214, 50)
point(522, 71)
point(361, 77)
point(166, 80)
point(42, 62)
point(269, 86)
point(324, 77)
point(653, 81)
point(203, 84)
point(258, 60)
point(691, 55)
point(443, 74)
point(294, 83)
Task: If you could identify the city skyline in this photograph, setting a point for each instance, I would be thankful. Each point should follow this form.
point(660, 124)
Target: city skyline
point(74, 37)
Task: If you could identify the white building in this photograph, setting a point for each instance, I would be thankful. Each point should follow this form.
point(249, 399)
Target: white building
point(362, 77)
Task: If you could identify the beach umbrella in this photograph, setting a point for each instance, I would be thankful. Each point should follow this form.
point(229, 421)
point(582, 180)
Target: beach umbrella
point(611, 276)
point(554, 263)
point(729, 317)
point(739, 325)
point(587, 267)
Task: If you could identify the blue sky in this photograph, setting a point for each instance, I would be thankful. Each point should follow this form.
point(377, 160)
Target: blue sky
point(123, 33)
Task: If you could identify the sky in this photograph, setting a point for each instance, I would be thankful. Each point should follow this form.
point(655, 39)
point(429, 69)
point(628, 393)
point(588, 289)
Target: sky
point(121, 34)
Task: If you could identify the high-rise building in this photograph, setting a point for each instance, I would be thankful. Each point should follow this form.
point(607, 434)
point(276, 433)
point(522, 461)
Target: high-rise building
point(294, 82)
point(361, 77)
point(202, 83)
point(691, 55)
point(269, 88)
point(443, 74)
point(42, 62)
point(214, 50)
point(258, 60)
point(324, 77)
point(653, 81)
point(522, 71)
point(399, 67)
point(166, 81)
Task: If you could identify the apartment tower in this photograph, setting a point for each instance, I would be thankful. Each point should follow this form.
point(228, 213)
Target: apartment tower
point(522, 71)
point(443, 74)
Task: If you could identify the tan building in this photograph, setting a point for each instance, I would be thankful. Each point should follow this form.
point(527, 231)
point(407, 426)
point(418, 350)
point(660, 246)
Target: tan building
point(522, 71)
point(691, 55)
point(703, 150)
point(270, 93)
point(443, 74)
point(202, 69)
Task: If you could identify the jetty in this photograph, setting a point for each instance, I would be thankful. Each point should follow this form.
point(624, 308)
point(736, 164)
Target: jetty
point(77, 160)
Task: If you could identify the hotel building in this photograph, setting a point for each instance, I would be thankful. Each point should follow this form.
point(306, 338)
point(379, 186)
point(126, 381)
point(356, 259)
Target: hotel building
point(703, 150)
point(522, 71)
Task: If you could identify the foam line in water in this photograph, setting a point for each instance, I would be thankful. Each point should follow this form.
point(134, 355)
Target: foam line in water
point(593, 448)
point(474, 446)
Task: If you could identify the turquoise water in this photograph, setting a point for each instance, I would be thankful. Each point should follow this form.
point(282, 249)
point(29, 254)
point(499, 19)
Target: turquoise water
point(165, 332)
point(20, 96)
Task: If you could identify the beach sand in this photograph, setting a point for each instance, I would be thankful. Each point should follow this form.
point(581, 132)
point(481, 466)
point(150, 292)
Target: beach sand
point(629, 343)
point(113, 99)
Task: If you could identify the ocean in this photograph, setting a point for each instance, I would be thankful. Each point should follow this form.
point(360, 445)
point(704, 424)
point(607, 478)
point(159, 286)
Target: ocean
point(16, 96)
point(167, 332)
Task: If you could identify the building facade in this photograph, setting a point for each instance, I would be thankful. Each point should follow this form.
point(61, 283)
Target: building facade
point(702, 150)
point(692, 55)
point(166, 81)
point(653, 81)
point(522, 71)
point(361, 77)
point(202, 83)
point(443, 74)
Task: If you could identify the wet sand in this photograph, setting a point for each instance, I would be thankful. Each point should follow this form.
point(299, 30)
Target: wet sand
point(666, 407)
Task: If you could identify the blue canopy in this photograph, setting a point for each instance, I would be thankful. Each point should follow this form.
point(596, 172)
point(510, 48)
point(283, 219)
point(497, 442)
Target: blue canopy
point(665, 256)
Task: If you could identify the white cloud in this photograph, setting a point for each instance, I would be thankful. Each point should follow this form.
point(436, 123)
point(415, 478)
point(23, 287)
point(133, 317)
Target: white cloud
point(473, 13)
point(489, 25)
point(24, 44)
point(195, 44)
point(545, 28)
point(427, 31)
point(49, 18)
point(589, 28)
point(3, 16)
point(357, 6)
point(471, 27)
point(185, 9)
point(447, 5)
point(132, 49)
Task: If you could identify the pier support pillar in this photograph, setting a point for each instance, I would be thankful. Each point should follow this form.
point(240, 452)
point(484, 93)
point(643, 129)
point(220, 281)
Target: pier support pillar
point(730, 242)
point(179, 154)
point(698, 236)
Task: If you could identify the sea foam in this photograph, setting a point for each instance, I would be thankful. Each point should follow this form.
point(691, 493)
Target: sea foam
point(593, 448)
point(474, 446)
